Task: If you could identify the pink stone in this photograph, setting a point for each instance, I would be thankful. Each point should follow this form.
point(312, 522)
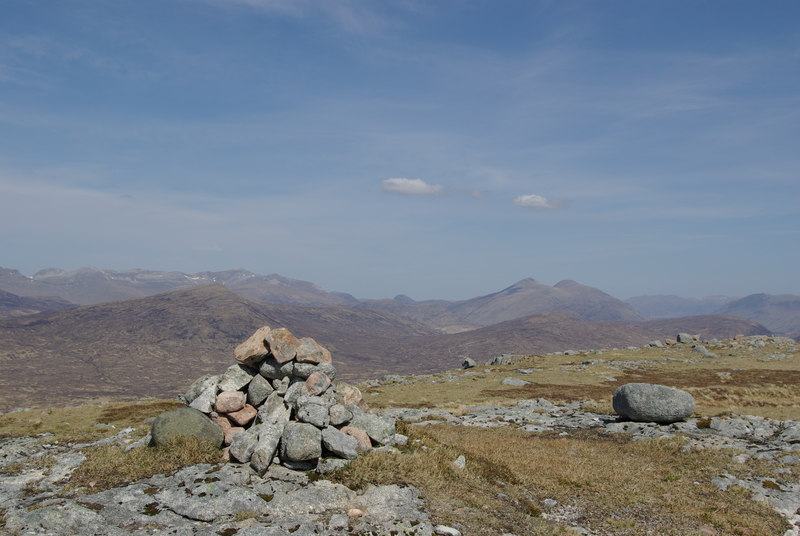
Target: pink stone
point(310, 351)
point(282, 344)
point(230, 401)
point(222, 422)
point(244, 415)
point(230, 432)
point(254, 349)
point(316, 384)
point(348, 394)
point(360, 435)
point(226, 454)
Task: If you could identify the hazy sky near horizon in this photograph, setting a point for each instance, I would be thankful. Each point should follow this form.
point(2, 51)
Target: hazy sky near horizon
point(440, 149)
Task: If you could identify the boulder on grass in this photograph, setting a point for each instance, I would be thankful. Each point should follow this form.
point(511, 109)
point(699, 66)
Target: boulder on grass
point(186, 422)
point(648, 402)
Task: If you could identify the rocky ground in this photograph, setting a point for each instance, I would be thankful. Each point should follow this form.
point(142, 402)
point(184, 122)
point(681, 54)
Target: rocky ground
point(231, 499)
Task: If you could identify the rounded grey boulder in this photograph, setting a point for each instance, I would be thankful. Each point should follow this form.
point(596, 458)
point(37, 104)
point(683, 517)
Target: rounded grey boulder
point(648, 402)
point(185, 422)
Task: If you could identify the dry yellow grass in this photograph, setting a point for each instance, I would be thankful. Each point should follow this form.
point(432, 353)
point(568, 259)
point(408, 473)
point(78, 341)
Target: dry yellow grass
point(78, 424)
point(612, 484)
point(743, 379)
point(110, 466)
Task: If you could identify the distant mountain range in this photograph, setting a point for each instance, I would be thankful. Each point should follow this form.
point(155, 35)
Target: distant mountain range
point(92, 285)
point(155, 346)
point(780, 314)
point(521, 299)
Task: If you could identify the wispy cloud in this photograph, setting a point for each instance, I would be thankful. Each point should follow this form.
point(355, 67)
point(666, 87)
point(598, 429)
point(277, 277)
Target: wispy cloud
point(411, 187)
point(537, 202)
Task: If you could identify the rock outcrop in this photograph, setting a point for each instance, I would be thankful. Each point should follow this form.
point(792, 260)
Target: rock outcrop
point(280, 402)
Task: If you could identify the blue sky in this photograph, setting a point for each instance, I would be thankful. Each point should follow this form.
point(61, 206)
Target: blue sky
point(438, 149)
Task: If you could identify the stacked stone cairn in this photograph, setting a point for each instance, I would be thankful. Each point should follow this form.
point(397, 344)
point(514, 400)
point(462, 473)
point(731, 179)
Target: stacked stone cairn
point(280, 403)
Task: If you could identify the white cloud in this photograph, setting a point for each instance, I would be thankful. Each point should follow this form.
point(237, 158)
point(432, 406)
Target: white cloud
point(411, 187)
point(537, 202)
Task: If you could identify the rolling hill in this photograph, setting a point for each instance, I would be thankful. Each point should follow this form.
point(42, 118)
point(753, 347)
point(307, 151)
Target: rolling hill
point(13, 305)
point(155, 346)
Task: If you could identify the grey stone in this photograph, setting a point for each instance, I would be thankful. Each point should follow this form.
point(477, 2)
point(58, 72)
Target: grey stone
point(400, 440)
point(515, 382)
point(258, 390)
point(273, 370)
point(444, 530)
point(205, 400)
point(339, 415)
point(339, 443)
point(281, 386)
point(200, 384)
point(685, 338)
point(328, 369)
point(236, 377)
point(656, 344)
point(187, 422)
point(504, 359)
point(460, 462)
point(269, 436)
point(304, 370)
point(646, 402)
point(293, 392)
point(379, 428)
point(244, 444)
point(467, 363)
point(62, 519)
point(313, 410)
point(330, 465)
point(301, 442)
point(273, 411)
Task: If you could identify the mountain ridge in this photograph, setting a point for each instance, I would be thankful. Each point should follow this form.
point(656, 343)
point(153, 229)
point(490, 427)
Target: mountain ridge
point(155, 346)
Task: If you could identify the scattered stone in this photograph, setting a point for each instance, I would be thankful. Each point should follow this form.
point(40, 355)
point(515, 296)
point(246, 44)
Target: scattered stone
point(504, 359)
point(186, 422)
point(514, 382)
point(467, 363)
point(444, 530)
point(646, 402)
point(685, 338)
point(460, 462)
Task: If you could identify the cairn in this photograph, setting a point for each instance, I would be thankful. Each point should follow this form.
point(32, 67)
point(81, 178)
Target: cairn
point(280, 403)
